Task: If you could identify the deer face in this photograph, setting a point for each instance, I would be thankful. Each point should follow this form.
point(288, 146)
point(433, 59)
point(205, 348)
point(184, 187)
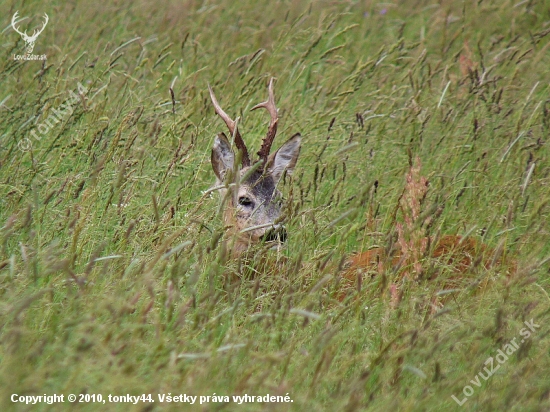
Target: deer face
point(252, 201)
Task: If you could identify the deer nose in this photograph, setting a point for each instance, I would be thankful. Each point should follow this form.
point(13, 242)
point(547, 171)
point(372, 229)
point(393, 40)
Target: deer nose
point(276, 234)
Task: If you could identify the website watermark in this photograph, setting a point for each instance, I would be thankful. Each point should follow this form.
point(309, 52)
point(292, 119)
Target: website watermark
point(501, 357)
point(30, 57)
point(148, 398)
point(56, 115)
point(30, 40)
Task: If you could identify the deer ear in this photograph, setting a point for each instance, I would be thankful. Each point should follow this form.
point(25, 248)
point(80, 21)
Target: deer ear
point(222, 157)
point(285, 158)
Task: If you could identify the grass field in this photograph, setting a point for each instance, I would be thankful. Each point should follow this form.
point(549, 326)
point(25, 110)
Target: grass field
point(113, 264)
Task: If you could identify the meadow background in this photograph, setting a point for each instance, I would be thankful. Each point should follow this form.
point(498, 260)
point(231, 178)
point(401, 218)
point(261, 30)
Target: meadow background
point(113, 269)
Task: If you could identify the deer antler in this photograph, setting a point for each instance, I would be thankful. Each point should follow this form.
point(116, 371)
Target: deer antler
point(25, 36)
point(269, 105)
point(13, 19)
point(231, 125)
point(38, 31)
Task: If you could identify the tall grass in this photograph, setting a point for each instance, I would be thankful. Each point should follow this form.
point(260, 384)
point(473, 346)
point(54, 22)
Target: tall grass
point(114, 276)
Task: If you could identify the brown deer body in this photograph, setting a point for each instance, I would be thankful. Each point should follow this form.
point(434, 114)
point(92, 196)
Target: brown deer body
point(252, 206)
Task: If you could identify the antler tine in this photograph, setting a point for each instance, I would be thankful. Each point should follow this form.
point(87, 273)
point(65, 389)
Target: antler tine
point(231, 125)
point(269, 105)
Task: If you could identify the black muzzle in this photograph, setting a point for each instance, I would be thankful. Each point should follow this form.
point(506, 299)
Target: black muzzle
point(275, 235)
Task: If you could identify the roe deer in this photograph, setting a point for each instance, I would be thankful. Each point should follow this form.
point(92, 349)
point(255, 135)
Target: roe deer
point(253, 207)
point(252, 210)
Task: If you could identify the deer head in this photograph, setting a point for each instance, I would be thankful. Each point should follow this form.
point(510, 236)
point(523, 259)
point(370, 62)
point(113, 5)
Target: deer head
point(252, 201)
point(30, 40)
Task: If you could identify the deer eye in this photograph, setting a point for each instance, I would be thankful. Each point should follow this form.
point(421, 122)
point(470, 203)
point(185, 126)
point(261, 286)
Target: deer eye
point(245, 201)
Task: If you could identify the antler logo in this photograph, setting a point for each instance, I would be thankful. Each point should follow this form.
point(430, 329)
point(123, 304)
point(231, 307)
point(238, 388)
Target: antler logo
point(30, 40)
